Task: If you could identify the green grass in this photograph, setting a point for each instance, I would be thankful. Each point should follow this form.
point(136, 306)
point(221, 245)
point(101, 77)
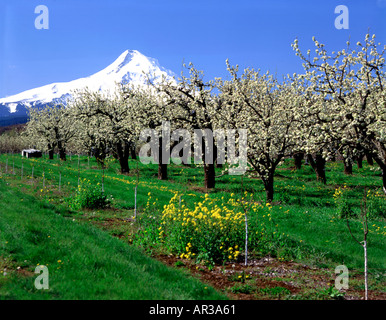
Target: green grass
point(83, 261)
point(304, 209)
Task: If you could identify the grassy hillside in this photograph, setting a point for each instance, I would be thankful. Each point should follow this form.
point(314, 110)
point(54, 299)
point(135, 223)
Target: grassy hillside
point(83, 262)
point(303, 224)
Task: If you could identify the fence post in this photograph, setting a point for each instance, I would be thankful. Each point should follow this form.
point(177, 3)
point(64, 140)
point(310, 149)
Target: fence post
point(13, 164)
point(78, 169)
point(135, 202)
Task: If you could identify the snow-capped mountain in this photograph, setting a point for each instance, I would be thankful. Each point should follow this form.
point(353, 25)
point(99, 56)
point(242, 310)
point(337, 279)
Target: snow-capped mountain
point(128, 68)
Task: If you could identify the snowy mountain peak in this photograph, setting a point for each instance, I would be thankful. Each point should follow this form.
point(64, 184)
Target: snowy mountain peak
point(127, 56)
point(130, 67)
point(124, 59)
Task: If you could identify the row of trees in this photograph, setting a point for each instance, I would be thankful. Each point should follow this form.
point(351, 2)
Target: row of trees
point(11, 140)
point(337, 106)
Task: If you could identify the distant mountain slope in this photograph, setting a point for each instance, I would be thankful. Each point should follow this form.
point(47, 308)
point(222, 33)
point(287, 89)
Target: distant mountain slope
point(128, 68)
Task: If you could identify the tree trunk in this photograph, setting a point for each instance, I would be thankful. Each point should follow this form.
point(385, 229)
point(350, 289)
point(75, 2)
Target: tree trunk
point(61, 147)
point(268, 186)
point(133, 154)
point(360, 162)
point(298, 157)
point(209, 168)
point(123, 162)
point(210, 179)
point(62, 151)
point(162, 167)
point(369, 159)
point(319, 166)
point(50, 152)
point(133, 151)
point(347, 167)
point(123, 157)
point(162, 171)
point(218, 165)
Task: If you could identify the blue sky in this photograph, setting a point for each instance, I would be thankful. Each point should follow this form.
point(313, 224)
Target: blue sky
point(85, 36)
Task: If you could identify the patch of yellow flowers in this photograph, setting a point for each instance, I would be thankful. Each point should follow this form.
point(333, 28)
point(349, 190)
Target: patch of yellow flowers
point(213, 226)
